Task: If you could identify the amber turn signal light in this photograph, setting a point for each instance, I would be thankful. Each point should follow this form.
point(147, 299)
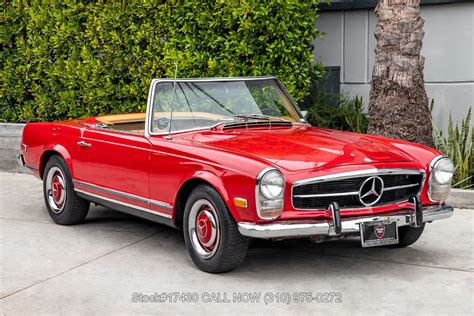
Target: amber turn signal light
point(240, 202)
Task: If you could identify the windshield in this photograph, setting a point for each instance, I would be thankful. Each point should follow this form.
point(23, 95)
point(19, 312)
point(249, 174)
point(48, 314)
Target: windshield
point(201, 104)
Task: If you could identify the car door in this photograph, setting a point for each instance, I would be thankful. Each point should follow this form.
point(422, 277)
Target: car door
point(113, 165)
point(168, 167)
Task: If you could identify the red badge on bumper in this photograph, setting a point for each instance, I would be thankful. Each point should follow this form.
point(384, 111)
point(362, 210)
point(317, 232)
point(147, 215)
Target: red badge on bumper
point(379, 231)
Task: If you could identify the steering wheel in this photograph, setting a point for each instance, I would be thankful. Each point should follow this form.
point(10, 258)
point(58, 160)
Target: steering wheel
point(162, 123)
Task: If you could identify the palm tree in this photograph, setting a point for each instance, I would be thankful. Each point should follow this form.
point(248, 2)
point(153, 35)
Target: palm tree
point(398, 106)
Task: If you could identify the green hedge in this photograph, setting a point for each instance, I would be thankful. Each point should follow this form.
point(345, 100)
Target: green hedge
point(66, 59)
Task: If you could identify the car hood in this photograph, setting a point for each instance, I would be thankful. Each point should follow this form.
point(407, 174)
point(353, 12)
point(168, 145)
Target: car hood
point(302, 147)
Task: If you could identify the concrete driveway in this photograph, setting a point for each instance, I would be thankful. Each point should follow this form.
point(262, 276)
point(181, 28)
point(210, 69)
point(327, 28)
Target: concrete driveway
point(113, 260)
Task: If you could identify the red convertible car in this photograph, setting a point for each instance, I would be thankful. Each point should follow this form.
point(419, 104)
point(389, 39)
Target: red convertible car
point(231, 159)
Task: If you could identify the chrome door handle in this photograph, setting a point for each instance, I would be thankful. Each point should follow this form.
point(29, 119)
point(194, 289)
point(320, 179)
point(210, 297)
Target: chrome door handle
point(84, 144)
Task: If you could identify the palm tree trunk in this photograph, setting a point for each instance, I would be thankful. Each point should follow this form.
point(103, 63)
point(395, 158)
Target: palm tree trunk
point(398, 106)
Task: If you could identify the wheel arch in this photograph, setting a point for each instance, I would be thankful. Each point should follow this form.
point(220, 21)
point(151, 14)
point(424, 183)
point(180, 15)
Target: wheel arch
point(52, 151)
point(189, 185)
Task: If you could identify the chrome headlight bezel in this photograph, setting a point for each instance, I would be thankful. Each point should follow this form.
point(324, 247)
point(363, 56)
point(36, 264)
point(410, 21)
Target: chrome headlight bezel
point(272, 184)
point(269, 204)
point(441, 173)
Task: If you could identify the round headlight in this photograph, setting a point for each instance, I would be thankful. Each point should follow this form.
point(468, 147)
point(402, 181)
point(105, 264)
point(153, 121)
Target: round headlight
point(272, 184)
point(443, 171)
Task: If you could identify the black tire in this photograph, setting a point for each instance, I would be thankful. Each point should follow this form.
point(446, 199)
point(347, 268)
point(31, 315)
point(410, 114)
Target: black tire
point(408, 235)
point(73, 209)
point(230, 247)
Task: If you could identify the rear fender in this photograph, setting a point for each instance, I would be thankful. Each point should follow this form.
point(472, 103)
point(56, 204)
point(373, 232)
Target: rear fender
point(59, 149)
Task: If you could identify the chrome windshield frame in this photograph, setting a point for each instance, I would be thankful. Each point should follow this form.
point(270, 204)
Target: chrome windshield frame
point(155, 82)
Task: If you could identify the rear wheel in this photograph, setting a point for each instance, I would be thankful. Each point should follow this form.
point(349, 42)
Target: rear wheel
point(62, 202)
point(211, 234)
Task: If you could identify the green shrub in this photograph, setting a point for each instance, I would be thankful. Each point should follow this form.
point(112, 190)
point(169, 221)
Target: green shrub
point(68, 58)
point(348, 115)
point(335, 110)
point(458, 146)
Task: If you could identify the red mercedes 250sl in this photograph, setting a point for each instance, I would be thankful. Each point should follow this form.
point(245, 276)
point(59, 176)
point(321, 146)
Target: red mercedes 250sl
point(231, 159)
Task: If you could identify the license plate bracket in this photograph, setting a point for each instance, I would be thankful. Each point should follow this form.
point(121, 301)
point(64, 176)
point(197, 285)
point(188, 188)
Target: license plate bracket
point(373, 234)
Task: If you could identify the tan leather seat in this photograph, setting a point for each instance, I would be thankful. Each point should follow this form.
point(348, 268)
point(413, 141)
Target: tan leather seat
point(122, 118)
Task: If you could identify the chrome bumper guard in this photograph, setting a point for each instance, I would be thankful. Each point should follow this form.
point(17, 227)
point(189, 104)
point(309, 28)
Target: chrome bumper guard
point(348, 225)
point(21, 160)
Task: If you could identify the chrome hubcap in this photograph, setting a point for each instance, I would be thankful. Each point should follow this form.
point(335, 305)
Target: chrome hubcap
point(203, 228)
point(56, 189)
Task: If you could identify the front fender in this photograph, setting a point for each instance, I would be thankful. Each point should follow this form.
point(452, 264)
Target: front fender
point(214, 180)
point(229, 185)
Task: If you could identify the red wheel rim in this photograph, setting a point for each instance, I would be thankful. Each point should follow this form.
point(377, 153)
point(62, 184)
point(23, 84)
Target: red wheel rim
point(203, 228)
point(206, 229)
point(56, 189)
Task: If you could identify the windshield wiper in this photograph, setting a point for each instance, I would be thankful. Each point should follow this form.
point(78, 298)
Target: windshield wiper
point(247, 117)
point(258, 117)
point(223, 122)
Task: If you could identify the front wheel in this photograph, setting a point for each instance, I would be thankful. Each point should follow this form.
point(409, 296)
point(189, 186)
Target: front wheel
point(210, 232)
point(408, 235)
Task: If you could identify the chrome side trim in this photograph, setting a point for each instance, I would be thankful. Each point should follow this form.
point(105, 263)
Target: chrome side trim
point(124, 195)
point(287, 229)
point(123, 203)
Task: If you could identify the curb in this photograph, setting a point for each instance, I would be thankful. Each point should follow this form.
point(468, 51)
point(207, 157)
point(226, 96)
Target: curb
point(461, 198)
point(10, 140)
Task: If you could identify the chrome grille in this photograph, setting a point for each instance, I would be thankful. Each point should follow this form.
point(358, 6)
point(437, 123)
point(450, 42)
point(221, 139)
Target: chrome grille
point(318, 193)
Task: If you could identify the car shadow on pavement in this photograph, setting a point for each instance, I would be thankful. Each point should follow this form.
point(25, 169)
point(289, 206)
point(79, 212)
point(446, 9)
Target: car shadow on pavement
point(267, 256)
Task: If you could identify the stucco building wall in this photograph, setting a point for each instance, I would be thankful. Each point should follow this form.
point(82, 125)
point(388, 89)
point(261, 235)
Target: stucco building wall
point(448, 47)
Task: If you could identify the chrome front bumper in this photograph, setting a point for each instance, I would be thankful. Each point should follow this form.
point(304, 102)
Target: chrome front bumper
point(349, 225)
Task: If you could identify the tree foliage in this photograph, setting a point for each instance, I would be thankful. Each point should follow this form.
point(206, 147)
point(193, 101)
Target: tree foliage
point(67, 58)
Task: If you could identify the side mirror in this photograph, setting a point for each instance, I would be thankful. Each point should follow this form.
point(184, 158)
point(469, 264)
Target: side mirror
point(305, 113)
